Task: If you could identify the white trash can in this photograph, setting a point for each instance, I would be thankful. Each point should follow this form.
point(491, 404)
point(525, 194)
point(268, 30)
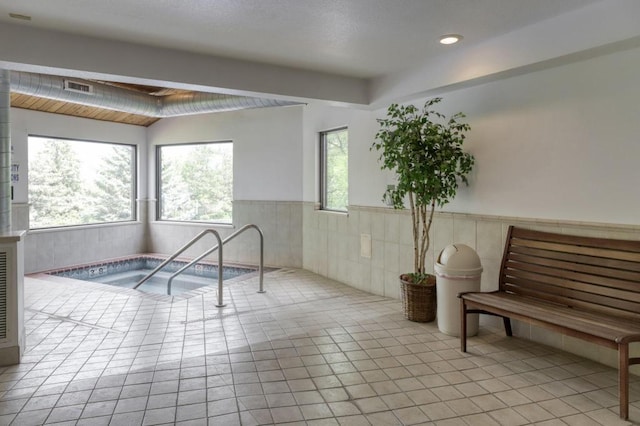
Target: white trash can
point(458, 270)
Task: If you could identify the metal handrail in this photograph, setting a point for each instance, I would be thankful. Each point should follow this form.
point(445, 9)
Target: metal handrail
point(183, 249)
point(226, 240)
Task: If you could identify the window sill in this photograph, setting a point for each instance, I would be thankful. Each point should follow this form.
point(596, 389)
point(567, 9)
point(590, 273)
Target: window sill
point(81, 227)
point(193, 223)
point(332, 212)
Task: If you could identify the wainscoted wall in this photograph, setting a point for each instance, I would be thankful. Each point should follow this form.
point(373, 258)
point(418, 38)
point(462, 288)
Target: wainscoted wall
point(327, 243)
point(19, 216)
point(332, 247)
point(60, 247)
point(280, 222)
point(57, 248)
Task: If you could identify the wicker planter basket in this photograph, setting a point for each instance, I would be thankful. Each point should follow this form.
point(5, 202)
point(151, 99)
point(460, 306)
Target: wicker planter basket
point(418, 300)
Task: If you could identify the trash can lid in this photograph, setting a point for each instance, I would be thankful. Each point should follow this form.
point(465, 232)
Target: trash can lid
point(458, 257)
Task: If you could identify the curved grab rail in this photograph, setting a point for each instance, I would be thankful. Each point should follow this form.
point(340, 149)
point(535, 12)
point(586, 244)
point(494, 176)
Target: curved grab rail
point(183, 249)
point(226, 240)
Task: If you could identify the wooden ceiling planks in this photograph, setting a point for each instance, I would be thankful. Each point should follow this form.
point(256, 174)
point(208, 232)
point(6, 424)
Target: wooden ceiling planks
point(59, 107)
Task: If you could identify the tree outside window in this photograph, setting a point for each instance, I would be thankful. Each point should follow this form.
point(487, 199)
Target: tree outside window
point(334, 157)
point(196, 182)
point(74, 182)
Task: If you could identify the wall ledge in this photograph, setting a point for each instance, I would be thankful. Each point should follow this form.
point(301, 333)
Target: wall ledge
point(502, 219)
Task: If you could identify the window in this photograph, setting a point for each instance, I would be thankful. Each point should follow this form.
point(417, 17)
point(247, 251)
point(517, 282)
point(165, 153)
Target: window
point(73, 182)
point(195, 182)
point(334, 171)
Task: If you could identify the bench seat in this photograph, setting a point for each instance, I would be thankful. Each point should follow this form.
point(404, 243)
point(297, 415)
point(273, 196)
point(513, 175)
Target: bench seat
point(611, 330)
point(584, 287)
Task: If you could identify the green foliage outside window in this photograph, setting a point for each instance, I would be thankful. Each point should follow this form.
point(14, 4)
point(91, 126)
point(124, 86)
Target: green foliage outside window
point(335, 147)
point(77, 182)
point(113, 186)
point(196, 182)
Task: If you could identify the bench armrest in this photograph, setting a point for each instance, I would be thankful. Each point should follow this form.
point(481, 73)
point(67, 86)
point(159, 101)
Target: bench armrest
point(628, 339)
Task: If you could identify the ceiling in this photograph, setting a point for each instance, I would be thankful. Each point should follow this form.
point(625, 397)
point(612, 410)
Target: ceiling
point(360, 39)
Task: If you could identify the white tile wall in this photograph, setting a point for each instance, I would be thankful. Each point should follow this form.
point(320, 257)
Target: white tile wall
point(20, 216)
point(59, 247)
point(280, 222)
point(56, 248)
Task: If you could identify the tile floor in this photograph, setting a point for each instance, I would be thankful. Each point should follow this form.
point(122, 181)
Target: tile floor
point(309, 351)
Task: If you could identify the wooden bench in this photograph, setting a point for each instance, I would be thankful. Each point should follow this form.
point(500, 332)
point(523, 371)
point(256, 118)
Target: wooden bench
point(588, 288)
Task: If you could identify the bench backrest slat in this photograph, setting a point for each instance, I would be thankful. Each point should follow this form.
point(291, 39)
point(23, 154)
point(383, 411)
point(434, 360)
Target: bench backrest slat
point(573, 279)
point(584, 263)
point(555, 284)
point(587, 251)
point(593, 274)
point(586, 301)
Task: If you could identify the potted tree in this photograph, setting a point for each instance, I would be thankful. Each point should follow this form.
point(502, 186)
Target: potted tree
point(424, 149)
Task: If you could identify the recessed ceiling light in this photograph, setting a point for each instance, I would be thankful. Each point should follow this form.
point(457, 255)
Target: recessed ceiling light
point(20, 17)
point(450, 38)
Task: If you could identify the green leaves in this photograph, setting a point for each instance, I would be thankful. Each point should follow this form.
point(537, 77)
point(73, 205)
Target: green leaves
point(55, 187)
point(197, 182)
point(424, 149)
point(336, 169)
point(77, 182)
point(425, 152)
point(111, 197)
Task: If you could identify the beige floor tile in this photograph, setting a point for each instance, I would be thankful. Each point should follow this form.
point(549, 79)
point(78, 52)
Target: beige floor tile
point(309, 350)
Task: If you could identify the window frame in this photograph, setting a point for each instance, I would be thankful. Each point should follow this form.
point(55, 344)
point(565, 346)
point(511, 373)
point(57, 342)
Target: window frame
point(134, 181)
point(158, 180)
point(323, 169)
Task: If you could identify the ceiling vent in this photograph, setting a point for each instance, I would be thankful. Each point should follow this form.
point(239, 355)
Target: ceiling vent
point(78, 87)
point(132, 102)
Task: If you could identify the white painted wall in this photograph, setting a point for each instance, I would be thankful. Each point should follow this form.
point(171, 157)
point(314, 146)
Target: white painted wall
point(365, 178)
point(559, 144)
point(59, 247)
point(25, 123)
point(267, 179)
point(267, 148)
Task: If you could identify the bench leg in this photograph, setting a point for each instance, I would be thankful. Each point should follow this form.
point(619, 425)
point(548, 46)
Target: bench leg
point(463, 326)
point(507, 326)
point(623, 379)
